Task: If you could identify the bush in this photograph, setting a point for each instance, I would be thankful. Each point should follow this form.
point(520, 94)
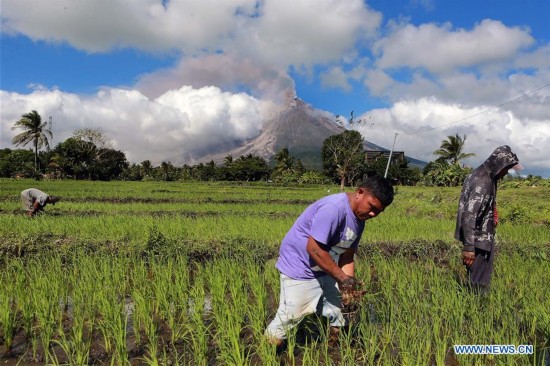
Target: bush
point(312, 177)
point(516, 215)
point(157, 244)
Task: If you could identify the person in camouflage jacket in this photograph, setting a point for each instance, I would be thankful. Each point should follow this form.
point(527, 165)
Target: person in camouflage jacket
point(477, 216)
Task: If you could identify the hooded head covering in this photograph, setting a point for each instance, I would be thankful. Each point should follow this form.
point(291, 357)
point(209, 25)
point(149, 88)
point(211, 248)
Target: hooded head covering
point(502, 158)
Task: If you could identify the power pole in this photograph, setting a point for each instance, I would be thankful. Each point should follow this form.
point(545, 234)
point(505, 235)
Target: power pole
point(51, 128)
point(389, 157)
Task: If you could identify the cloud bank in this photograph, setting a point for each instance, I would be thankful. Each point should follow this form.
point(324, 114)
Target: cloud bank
point(417, 122)
point(177, 126)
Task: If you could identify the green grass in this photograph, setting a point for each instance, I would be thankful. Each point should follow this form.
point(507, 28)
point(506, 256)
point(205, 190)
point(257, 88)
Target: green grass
point(111, 212)
point(414, 312)
point(158, 273)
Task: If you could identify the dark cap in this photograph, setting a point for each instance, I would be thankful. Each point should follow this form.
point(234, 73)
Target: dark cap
point(53, 199)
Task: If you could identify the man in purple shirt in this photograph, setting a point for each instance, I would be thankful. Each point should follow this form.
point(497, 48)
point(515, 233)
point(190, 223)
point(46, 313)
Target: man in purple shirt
point(316, 258)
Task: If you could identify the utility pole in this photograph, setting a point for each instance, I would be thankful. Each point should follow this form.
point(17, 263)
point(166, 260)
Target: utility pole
point(51, 128)
point(389, 157)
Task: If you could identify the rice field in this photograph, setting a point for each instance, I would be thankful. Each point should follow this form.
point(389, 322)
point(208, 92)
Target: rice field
point(154, 273)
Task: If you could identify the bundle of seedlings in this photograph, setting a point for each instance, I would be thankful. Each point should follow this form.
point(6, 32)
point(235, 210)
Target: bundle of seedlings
point(351, 300)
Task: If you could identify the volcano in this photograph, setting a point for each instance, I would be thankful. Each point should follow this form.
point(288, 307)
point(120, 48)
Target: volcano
point(298, 127)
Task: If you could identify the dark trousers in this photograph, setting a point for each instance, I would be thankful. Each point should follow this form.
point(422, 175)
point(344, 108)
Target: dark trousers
point(480, 271)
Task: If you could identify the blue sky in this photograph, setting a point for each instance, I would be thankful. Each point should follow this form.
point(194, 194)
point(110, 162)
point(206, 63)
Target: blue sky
point(169, 80)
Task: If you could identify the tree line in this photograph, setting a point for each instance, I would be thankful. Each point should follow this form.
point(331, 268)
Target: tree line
point(88, 154)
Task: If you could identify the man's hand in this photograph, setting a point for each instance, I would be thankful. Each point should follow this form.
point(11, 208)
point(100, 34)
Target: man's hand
point(350, 290)
point(468, 258)
point(349, 284)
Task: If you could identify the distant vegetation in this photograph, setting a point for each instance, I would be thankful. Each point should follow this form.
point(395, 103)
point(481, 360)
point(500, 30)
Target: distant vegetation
point(88, 155)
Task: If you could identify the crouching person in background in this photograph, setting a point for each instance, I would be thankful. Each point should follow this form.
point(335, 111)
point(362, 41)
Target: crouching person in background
point(34, 200)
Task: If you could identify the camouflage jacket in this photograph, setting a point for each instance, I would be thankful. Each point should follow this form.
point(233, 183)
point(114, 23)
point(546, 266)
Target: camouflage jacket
point(475, 227)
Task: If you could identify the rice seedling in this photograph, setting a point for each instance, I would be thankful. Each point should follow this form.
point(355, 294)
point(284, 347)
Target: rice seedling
point(228, 309)
point(8, 314)
point(197, 329)
point(46, 282)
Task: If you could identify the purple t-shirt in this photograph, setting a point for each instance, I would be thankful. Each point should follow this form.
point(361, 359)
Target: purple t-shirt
point(329, 221)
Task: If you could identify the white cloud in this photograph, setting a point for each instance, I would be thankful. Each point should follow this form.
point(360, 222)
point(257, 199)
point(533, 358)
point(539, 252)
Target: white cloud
point(378, 82)
point(306, 33)
point(100, 25)
point(276, 32)
point(176, 126)
point(518, 91)
point(441, 49)
point(335, 78)
point(538, 59)
point(423, 123)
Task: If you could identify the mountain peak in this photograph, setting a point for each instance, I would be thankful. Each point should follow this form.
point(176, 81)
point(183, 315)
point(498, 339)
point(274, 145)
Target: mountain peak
point(298, 127)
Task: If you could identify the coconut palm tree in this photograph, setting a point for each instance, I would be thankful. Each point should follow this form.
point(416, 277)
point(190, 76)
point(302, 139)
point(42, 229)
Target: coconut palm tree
point(35, 131)
point(228, 160)
point(451, 149)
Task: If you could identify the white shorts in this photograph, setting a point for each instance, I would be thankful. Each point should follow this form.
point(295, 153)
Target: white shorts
point(299, 298)
point(27, 201)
